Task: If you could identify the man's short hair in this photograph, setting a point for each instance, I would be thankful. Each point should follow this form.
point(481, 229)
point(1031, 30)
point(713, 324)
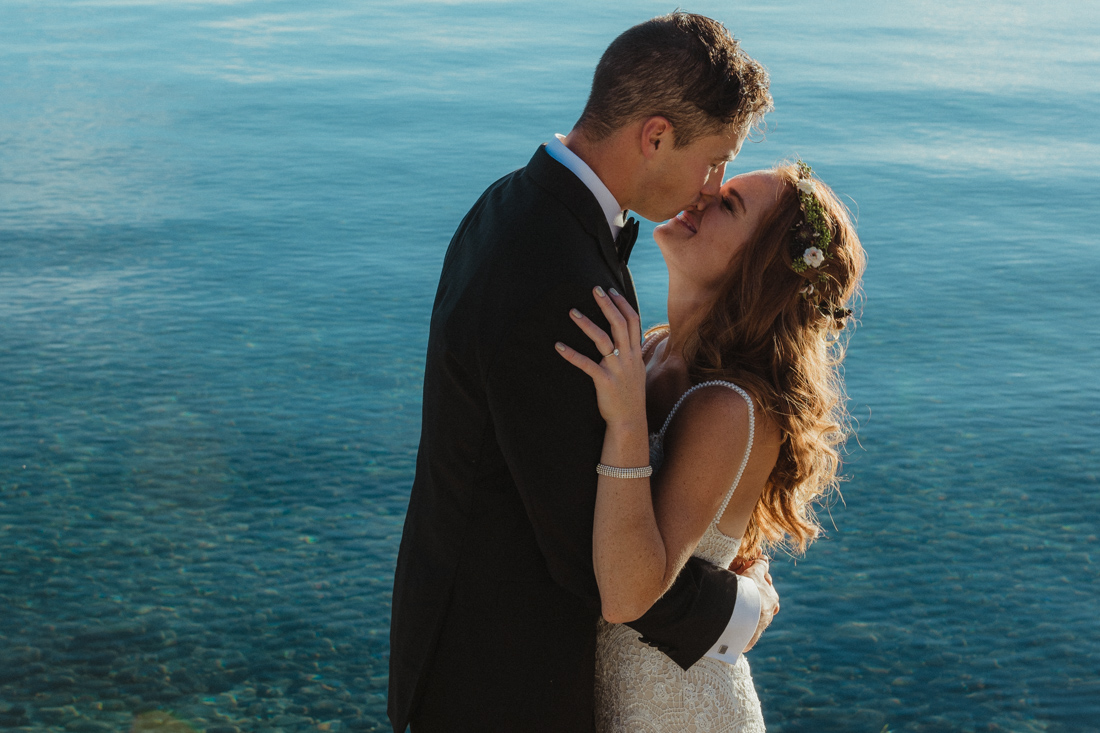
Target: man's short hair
point(682, 66)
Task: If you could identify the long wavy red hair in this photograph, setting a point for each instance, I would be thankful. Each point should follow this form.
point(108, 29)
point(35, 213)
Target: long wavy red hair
point(786, 349)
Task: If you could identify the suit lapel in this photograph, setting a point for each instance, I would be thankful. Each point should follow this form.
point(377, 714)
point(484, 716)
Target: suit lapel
point(564, 185)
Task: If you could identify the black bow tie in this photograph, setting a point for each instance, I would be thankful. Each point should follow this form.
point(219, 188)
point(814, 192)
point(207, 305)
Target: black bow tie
point(624, 243)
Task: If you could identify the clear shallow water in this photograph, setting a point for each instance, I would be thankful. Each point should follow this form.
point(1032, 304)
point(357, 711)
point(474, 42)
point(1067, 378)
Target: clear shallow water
point(220, 229)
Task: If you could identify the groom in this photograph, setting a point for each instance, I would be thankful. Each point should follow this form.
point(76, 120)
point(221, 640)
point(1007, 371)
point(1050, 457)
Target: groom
point(495, 601)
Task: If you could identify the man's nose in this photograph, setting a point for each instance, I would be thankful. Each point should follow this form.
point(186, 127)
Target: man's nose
point(702, 201)
point(709, 194)
point(714, 181)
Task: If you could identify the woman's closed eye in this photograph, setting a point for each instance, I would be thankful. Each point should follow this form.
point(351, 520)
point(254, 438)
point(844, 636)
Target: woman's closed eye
point(732, 201)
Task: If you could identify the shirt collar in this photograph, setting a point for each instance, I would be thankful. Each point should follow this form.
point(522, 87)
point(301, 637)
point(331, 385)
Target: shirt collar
point(616, 217)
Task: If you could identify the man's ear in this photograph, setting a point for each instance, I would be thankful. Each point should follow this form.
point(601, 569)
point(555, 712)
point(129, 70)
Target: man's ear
point(656, 135)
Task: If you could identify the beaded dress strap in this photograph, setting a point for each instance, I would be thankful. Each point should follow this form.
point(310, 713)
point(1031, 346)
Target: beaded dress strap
point(748, 448)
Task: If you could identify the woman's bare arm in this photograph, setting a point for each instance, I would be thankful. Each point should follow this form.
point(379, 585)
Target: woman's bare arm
point(638, 550)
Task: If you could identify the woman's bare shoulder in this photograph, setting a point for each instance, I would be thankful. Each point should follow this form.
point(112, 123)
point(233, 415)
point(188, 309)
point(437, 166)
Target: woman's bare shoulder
point(708, 435)
point(713, 408)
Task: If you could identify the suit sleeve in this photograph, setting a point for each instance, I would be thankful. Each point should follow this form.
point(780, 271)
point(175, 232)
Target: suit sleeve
point(549, 429)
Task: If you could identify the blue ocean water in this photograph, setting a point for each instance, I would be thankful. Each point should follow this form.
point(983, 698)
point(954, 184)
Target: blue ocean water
point(221, 223)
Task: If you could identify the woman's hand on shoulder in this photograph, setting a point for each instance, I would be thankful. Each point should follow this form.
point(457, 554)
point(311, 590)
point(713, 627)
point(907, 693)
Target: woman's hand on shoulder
point(620, 376)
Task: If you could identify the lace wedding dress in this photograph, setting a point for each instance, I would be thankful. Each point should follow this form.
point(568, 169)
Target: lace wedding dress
point(640, 690)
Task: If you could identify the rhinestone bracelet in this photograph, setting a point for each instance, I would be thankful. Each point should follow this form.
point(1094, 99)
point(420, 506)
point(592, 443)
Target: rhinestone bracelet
point(613, 472)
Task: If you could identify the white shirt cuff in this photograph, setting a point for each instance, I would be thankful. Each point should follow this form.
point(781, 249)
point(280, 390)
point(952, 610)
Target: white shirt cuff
point(742, 625)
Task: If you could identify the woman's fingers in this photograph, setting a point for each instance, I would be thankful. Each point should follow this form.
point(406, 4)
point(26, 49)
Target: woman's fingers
point(599, 337)
point(578, 360)
point(626, 327)
point(620, 329)
point(619, 376)
point(633, 320)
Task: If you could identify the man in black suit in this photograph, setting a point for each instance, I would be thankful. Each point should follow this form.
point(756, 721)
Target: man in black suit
point(495, 601)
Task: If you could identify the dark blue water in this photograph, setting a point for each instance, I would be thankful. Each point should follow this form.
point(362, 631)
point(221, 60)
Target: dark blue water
point(220, 229)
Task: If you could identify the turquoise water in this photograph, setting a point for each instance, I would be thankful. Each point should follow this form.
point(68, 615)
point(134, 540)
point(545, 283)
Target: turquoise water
point(220, 229)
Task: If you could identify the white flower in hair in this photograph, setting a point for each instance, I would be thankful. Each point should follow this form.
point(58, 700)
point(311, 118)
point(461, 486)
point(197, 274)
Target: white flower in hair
point(807, 185)
point(813, 257)
point(808, 289)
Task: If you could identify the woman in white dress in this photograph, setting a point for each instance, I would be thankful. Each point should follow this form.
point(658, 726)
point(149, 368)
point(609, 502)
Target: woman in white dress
point(737, 405)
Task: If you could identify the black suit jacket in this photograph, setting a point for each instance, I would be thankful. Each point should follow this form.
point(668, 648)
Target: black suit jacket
point(495, 601)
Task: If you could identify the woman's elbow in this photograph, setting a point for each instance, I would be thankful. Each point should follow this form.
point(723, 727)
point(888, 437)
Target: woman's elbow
point(623, 611)
point(625, 598)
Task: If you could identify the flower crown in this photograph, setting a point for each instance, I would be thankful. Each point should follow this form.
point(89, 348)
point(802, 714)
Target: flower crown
point(810, 243)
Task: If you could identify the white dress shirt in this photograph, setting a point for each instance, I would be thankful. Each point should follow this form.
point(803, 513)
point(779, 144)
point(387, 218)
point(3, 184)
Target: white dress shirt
point(746, 612)
point(616, 217)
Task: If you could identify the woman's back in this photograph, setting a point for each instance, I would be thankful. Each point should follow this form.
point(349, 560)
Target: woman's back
point(671, 400)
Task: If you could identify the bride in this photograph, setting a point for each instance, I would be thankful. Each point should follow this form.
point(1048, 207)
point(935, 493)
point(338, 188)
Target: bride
point(722, 427)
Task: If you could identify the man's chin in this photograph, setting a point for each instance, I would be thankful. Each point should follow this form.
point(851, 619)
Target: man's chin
point(663, 217)
point(657, 216)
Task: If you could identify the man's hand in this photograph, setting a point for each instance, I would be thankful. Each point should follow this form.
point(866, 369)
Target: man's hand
point(758, 570)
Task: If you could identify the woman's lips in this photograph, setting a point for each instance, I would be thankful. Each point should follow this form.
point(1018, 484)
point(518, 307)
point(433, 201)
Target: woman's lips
point(684, 218)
